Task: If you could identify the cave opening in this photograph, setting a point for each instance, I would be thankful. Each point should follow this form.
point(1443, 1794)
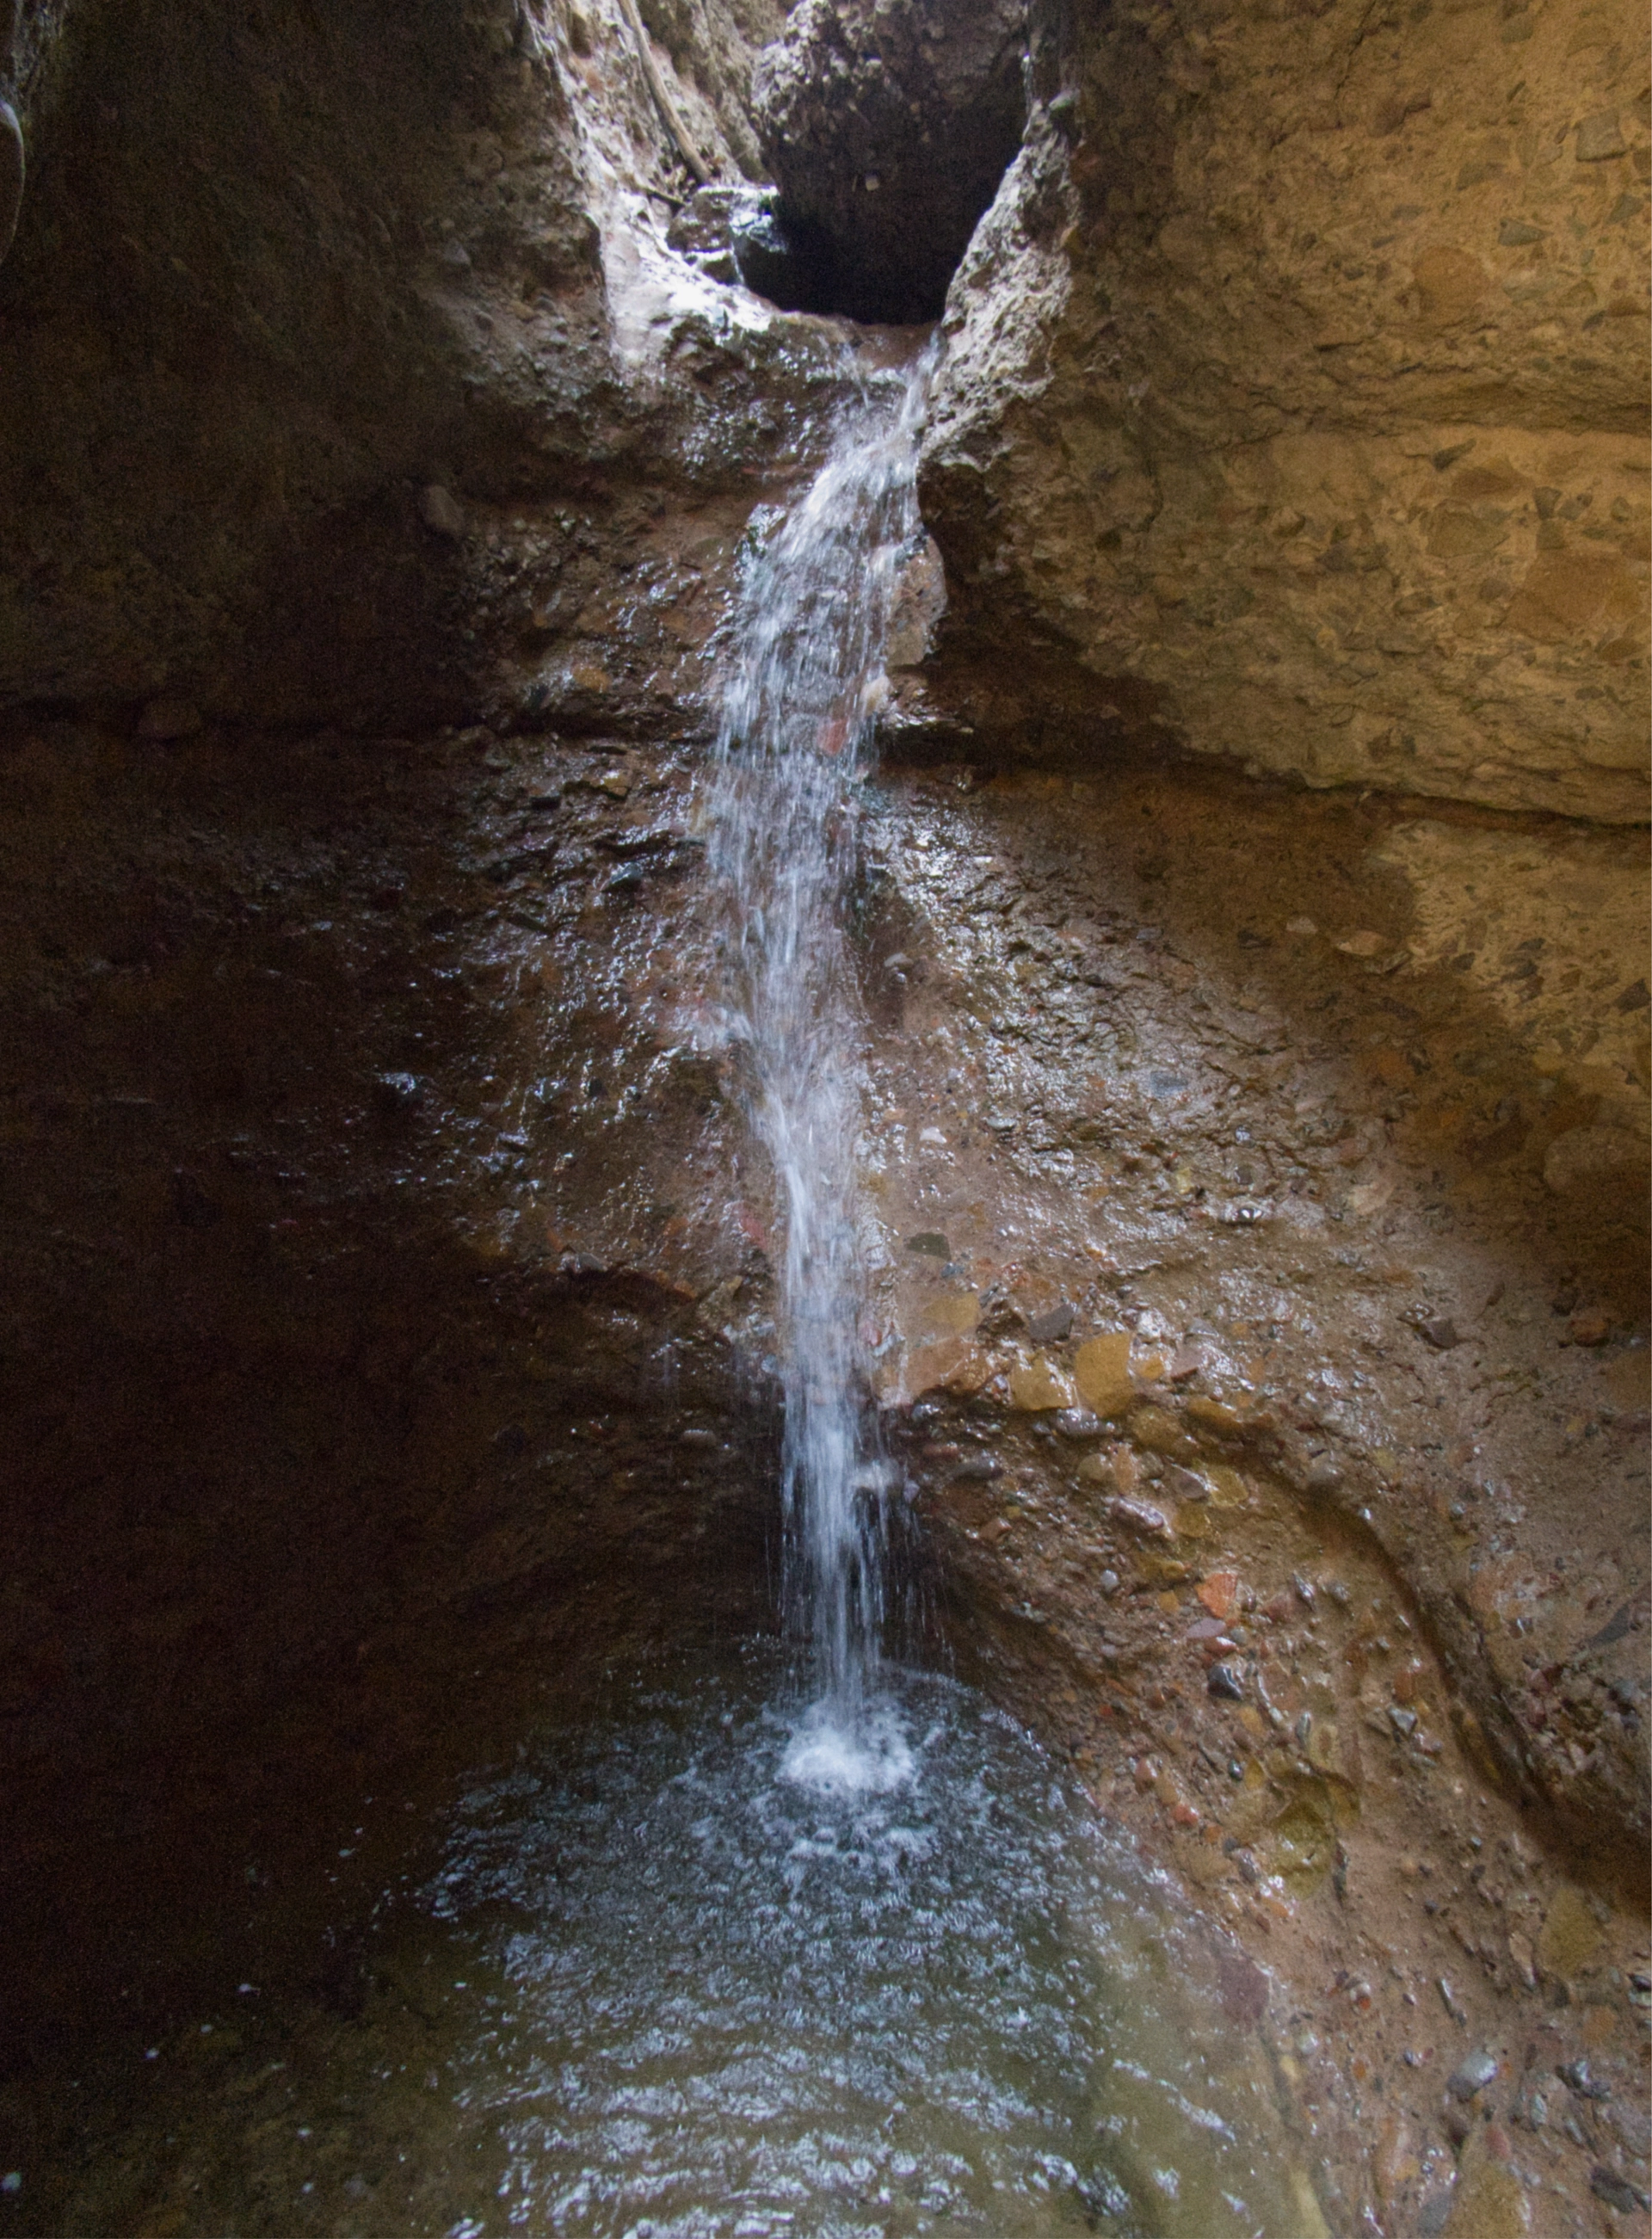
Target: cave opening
point(886, 133)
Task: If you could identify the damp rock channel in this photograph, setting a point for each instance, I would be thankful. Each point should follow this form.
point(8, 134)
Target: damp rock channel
point(825, 1145)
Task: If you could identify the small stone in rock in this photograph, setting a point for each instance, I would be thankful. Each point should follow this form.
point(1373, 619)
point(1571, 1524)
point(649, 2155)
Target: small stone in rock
point(1078, 1424)
point(396, 1091)
point(1433, 2215)
point(1473, 2075)
point(1439, 1331)
point(1589, 1329)
point(697, 1435)
point(1224, 1683)
point(1050, 1328)
point(981, 1469)
point(1185, 1483)
point(1219, 1593)
point(1577, 2074)
point(1140, 1515)
point(441, 511)
point(1616, 2191)
point(1600, 138)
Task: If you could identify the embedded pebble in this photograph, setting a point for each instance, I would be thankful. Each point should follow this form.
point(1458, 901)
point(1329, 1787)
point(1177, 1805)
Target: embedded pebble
point(1039, 1387)
point(441, 511)
point(396, 1091)
point(1078, 1424)
point(1600, 138)
point(1578, 2075)
point(1140, 1515)
point(980, 1469)
point(1616, 2191)
point(1185, 1483)
point(1472, 2075)
point(1219, 1593)
point(1050, 1327)
point(1225, 1683)
point(1101, 1368)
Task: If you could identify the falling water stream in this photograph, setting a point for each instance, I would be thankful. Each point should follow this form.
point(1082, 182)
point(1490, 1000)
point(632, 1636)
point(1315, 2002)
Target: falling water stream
point(731, 1959)
point(804, 689)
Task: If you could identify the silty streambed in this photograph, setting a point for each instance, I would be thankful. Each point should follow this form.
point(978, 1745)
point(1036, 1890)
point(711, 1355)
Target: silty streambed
point(660, 1984)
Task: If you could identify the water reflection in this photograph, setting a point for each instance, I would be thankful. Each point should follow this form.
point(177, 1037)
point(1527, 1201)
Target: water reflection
point(771, 1976)
point(711, 1965)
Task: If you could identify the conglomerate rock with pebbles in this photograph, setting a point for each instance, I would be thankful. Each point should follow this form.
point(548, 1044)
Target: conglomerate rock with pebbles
point(1294, 395)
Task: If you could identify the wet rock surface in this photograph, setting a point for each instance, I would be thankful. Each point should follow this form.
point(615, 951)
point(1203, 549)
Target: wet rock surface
point(395, 1093)
point(1298, 1591)
point(322, 1364)
point(1173, 1126)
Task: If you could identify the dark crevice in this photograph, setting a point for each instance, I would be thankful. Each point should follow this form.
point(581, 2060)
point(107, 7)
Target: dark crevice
point(887, 136)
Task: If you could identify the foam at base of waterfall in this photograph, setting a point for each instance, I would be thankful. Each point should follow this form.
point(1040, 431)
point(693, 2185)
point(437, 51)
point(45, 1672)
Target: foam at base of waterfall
point(839, 1752)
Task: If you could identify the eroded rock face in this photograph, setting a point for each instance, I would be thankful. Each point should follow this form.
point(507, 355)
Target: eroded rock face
point(1295, 387)
point(888, 129)
point(272, 284)
point(375, 1284)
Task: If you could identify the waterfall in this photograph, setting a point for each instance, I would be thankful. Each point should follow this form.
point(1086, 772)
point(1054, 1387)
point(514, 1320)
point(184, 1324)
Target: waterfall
point(805, 684)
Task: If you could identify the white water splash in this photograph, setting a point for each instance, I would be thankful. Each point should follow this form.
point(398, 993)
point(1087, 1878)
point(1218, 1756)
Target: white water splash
point(869, 1756)
point(804, 685)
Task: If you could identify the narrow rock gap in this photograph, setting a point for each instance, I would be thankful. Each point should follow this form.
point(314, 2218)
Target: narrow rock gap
point(886, 133)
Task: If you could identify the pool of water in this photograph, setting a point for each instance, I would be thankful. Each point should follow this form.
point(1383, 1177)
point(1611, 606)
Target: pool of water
point(711, 1965)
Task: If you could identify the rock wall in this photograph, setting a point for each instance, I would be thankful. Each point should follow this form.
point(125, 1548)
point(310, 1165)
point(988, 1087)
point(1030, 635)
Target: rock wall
point(1295, 394)
point(301, 313)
